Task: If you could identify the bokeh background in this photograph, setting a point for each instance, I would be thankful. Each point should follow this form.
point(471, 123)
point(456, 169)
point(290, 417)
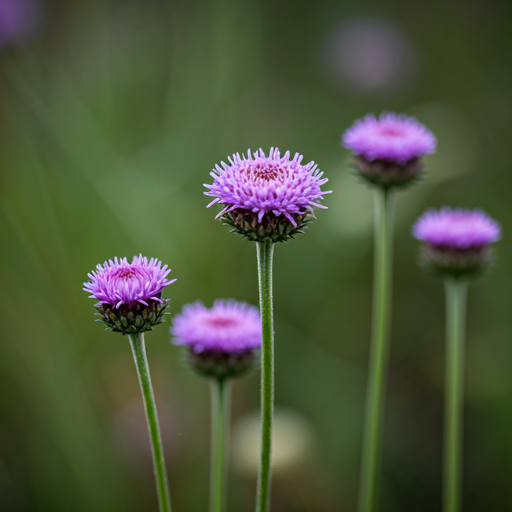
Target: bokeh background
point(112, 114)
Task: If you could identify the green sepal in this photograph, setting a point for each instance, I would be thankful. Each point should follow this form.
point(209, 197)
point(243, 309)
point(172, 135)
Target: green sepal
point(221, 365)
point(132, 320)
point(271, 229)
point(445, 262)
point(387, 175)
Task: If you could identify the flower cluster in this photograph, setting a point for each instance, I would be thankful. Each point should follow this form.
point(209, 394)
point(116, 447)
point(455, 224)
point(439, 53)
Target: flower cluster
point(267, 198)
point(388, 150)
point(222, 340)
point(456, 241)
point(129, 294)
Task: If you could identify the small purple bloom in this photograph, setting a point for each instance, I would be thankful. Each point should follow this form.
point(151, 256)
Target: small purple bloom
point(229, 327)
point(457, 228)
point(262, 188)
point(18, 19)
point(395, 138)
point(119, 283)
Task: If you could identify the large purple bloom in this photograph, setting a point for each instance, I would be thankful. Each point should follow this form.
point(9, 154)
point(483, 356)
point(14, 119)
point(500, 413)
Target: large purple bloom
point(229, 327)
point(392, 137)
point(118, 282)
point(271, 184)
point(457, 228)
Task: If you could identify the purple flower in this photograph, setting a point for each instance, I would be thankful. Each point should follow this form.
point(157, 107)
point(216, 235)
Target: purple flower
point(456, 241)
point(457, 228)
point(222, 340)
point(119, 282)
point(260, 191)
point(392, 137)
point(18, 19)
point(129, 294)
point(228, 327)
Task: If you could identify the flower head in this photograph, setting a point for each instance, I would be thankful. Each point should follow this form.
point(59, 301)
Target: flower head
point(457, 228)
point(222, 340)
point(129, 294)
point(388, 148)
point(393, 137)
point(456, 240)
point(267, 198)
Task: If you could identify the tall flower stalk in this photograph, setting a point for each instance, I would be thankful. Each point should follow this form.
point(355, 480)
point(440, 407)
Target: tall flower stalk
point(130, 302)
point(221, 344)
point(456, 249)
point(221, 407)
point(387, 155)
point(266, 200)
point(141, 364)
point(265, 252)
point(379, 354)
point(456, 292)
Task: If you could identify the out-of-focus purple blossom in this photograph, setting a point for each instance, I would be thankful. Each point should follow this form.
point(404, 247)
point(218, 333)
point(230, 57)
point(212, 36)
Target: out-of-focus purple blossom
point(267, 184)
point(394, 138)
point(371, 55)
point(18, 19)
point(119, 282)
point(229, 327)
point(457, 228)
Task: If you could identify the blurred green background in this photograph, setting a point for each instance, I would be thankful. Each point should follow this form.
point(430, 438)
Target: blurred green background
point(113, 113)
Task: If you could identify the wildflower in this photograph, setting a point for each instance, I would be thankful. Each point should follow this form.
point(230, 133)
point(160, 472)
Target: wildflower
point(388, 150)
point(267, 199)
point(456, 241)
point(129, 294)
point(18, 20)
point(222, 341)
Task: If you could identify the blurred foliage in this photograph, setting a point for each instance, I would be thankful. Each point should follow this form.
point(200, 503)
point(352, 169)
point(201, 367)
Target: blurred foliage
point(112, 114)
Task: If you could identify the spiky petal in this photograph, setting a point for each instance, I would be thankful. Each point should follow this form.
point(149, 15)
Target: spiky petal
point(129, 294)
point(264, 191)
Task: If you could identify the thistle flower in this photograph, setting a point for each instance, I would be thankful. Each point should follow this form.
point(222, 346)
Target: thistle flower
point(129, 294)
point(456, 241)
point(18, 20)
point(222, 341)
point(388, 150)
point(267, 199)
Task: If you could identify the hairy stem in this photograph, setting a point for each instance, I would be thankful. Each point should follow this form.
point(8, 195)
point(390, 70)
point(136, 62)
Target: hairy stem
point(141, 363)
point(265, 253)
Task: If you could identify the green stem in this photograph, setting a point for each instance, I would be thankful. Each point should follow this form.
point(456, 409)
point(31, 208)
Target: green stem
point(456, 292)
point(221, 406)
point(265, 253)
point(141, 363)
point(379, 350)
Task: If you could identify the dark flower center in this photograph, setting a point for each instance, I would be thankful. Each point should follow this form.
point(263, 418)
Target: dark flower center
point(127, 273)
point(391, 131)
point(269, 172)
point(221, 321)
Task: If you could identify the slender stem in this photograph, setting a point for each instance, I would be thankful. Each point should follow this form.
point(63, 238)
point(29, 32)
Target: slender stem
point(221, 406)
point(265, 253)
point(379, 350)
point(141, 363)
point(456, 292)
